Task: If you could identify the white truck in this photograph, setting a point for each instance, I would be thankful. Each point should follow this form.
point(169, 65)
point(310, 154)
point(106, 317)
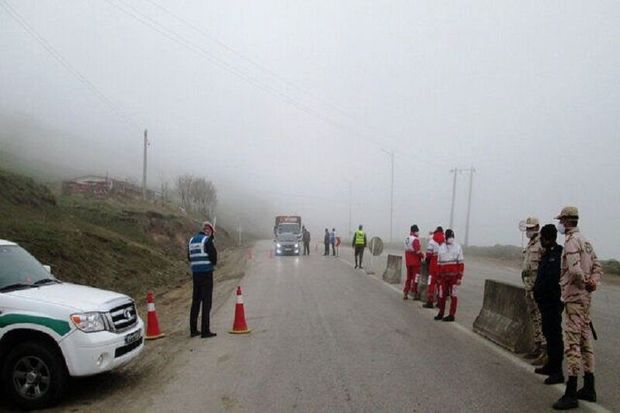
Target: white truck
point(50, 330)
point(288, 235)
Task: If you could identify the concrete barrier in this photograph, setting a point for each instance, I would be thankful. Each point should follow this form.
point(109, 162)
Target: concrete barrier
point(393, 270)
point(423, 282)
point(503, 318)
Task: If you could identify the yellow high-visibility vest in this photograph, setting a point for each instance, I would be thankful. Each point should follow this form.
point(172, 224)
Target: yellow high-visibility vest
point(359, 237)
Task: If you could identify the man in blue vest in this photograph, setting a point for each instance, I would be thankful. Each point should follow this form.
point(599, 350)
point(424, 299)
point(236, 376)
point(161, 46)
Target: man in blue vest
point(202, 257)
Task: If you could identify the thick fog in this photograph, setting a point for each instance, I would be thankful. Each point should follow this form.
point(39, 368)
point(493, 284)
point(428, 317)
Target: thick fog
point(287, 105)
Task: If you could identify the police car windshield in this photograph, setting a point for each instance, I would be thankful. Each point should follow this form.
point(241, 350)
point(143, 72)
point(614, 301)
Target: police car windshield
point(18, 267)
point(288, 228)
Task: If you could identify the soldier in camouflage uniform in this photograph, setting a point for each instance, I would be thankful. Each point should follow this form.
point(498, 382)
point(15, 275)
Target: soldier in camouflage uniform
point(531, 259)
point(581, 273)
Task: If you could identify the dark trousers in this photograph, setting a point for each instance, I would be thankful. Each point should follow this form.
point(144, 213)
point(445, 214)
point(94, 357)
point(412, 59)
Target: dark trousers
point(359, 252)
point(306, 247)
point(326, 249)
point(203, 295)
point(333, 249)
point(552, 330)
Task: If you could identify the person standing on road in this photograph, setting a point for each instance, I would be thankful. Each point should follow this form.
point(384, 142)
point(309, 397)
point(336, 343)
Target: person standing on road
point(547, 295)
point(451, 266)
point(581, 274)
point(332, 241)
point(413, 262)
point(305, 237)
point(432, 252)
point(326, 242)
point(531, 259)
point(359, 243)
point(202, 257)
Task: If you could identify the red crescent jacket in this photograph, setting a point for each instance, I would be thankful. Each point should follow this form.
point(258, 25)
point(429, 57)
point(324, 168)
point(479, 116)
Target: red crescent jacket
point(413, 251)
point(450, 261)
point(432, 252)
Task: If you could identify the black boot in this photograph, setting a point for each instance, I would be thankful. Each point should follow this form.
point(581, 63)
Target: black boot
point(569, 400)
point(546, 370)
point(439, 317)
point(587, 392)
point(555, 378)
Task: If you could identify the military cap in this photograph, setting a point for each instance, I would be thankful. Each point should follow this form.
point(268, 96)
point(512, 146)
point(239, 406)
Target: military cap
point(531, 222)
point(568, 212)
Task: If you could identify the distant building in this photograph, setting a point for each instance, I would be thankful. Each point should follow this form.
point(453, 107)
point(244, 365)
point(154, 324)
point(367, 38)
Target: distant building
point(103, 187)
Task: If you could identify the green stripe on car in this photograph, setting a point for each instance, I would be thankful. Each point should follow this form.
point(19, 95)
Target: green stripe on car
point(59, 326)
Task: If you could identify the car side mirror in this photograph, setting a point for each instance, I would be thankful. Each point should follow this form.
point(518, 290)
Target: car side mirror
point(48, 268)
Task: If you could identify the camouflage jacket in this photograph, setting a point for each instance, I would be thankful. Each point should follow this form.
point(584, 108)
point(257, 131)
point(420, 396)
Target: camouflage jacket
point(579, 264)
point(531, 259)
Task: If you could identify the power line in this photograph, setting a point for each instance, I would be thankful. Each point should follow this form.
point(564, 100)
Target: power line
point(65, 63)
point(252, 62)
point(182, 41)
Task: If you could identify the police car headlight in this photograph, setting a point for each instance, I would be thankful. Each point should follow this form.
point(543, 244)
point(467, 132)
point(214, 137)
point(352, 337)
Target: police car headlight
point(88, 322)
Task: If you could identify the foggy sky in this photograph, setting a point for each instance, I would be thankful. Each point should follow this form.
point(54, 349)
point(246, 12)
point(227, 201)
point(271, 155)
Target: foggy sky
point(526, 92)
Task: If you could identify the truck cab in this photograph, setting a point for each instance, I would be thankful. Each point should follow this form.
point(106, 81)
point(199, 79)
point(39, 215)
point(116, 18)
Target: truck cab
point(51, 330)
point(288, 235)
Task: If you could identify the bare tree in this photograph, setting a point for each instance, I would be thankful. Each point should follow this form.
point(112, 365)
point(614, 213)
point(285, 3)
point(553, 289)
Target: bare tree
point(197, 194)
point(183, 187)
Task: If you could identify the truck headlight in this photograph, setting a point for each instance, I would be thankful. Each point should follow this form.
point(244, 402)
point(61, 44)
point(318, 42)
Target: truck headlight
point(296, 245)
point(278, 245)
point(88, 322)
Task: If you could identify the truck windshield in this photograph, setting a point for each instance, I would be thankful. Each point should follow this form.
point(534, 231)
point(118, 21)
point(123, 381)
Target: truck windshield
point(17, 266)
point(288, 228)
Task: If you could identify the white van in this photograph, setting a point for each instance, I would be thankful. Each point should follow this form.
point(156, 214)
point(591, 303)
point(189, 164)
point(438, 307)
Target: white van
point(50, 330)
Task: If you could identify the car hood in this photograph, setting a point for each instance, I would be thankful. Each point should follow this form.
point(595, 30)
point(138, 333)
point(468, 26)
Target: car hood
point(77, 297)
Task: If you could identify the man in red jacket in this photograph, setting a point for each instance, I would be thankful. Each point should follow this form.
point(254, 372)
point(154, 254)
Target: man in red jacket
point(451, 267)
point(413, 262)
point(433, 269)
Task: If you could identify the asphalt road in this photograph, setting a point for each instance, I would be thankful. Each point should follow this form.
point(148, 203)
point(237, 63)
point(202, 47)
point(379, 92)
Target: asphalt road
point(330, 338)
point(606, 307)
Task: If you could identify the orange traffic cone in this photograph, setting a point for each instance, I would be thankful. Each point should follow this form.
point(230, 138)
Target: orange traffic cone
point(152, 325)
point(239, 326)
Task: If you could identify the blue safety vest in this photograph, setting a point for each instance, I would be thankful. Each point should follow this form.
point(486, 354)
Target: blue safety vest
point(198, 257)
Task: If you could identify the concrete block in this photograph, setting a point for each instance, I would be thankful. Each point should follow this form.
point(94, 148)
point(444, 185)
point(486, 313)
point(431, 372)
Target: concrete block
point(503, 318)
point(393, 270)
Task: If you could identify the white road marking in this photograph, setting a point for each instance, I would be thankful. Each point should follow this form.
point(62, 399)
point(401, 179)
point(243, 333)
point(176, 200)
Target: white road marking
point(594, 407)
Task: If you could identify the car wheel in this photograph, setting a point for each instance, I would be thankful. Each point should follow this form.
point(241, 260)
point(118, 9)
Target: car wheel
point(34, 375)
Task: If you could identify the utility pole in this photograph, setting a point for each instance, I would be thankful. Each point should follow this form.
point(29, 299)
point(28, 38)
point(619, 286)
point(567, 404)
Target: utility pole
point(471, 183)
point(350, 201)
point(454, 171)
point(392, 200)
point(391, 154)
point(146, 142)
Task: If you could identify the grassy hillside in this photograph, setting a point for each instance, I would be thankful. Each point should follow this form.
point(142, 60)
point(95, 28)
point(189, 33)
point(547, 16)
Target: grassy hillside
point(127, 246)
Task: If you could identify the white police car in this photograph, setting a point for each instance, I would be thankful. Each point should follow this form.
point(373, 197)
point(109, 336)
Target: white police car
point(50, 330)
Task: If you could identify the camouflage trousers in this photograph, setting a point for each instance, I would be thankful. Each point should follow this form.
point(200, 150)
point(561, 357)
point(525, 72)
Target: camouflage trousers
point(578, 346)
point(534, 312)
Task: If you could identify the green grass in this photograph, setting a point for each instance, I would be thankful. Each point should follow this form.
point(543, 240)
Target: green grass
point(611, 267)
point(127, 246)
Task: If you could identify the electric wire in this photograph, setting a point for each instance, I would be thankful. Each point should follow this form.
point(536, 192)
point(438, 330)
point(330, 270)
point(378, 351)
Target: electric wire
point(60, 59)
point(173, 36)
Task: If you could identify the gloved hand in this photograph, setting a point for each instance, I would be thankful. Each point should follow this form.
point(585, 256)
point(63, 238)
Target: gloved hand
point(590, 286)
point(458, 281)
